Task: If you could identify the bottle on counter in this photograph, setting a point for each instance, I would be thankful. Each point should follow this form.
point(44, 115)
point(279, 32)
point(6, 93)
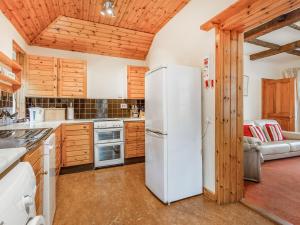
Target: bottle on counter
point(70, 112)
point(142, 113)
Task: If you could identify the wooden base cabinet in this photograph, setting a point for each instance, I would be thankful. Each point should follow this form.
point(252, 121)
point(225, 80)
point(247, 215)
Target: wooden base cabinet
point(36, 159)
point(134, 139)
point(77, 144)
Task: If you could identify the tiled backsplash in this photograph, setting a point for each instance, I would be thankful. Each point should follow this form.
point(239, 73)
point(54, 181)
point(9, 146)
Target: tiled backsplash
point(6, 100)
point(87, 108)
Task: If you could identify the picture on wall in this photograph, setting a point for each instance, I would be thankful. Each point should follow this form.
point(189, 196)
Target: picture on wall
point(246, 84)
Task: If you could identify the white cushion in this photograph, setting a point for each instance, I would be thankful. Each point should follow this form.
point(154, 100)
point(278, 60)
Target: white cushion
point(275, 147)
point(249, 122)
point(261, 123)
point(294, 145)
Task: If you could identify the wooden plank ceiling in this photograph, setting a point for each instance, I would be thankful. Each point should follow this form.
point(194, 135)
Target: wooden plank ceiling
point(244, 15)
point(52, 23)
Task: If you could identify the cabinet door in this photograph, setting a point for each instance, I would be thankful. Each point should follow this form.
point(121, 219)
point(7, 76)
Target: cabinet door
point(41, 77)
point(77, 147)
point(72, 78)
point(36, 159)
point(134, 139)
point(136, 82)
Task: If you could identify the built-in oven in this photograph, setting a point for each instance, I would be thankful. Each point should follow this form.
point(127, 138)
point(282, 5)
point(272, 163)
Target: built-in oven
point(108, 135)
point(108, 142)
point(109, 154)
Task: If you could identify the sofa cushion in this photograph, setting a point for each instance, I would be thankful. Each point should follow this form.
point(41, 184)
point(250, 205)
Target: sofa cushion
point(273, 132)
point(257, 132)
point(276, 147)
point(262, 123)
point(294, 145)
point(247, 131)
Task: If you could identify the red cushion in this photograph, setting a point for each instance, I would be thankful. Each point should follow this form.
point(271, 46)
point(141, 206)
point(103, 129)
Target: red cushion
point(247, 131)
point(257, 132)
point(273, 132)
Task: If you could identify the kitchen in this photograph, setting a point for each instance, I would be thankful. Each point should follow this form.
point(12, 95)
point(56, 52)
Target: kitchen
point(91, 130)
point(67, 113)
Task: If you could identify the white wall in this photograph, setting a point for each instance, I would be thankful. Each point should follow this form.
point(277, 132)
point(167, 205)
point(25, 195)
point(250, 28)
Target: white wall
point(8, 34)
point(181, 41)
point(107, 76)
point(256, 70)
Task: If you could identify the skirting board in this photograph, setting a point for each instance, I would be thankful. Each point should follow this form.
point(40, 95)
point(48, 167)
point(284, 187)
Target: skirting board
point(209, 195)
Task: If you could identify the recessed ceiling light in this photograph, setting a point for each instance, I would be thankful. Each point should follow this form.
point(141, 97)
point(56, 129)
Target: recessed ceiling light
point(108, 8)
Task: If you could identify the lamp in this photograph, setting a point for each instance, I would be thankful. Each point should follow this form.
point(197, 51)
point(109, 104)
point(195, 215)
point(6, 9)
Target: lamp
point(108, 8)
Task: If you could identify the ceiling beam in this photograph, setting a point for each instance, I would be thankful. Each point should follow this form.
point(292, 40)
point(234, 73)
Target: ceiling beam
point(271, 46)
point(295, 26)
point(277, 23)
point(281, 49)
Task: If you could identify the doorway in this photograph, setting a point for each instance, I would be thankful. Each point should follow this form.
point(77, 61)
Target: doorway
point(230, 26)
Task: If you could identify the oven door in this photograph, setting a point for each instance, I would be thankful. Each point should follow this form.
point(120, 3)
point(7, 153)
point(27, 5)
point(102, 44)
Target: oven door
point(109, 154)
point(108, 135)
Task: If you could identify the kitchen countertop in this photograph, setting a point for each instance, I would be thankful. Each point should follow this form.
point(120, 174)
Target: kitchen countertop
point(55, 124)
point(9, 156)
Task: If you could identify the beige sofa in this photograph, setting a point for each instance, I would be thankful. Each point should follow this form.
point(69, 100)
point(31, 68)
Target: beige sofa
point(255, 151)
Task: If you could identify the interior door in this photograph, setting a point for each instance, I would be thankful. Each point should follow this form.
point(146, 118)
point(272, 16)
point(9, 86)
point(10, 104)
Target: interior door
point(155, 166)
point(155, 101)
point(278, 102)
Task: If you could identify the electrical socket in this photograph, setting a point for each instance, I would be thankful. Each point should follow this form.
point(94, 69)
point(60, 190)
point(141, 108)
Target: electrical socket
point(124, 106)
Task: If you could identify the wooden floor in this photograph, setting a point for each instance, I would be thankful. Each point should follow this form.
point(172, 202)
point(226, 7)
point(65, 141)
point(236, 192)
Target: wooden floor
point(117, 196)
point(279, 190)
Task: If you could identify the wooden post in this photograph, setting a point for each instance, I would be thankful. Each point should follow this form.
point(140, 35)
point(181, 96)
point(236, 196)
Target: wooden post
point(229, 116)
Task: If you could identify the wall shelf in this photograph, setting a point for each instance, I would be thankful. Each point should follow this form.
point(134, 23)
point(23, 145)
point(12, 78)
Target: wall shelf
point(9, 84)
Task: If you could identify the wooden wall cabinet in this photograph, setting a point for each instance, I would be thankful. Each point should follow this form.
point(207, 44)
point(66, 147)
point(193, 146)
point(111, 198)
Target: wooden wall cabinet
point(53, 77)
point(41, 77)
point(134, 139)
point(36, 159)
point(72, 80)
point(278, 101)
point(77, 144)
point(136, 82)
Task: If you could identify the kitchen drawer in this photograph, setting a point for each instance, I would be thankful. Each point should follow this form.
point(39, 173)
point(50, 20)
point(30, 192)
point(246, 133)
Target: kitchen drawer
point(136, 134)
point(77, 148)
point(135, 125)
point(76, 127)
point(77, 137)
point(78, 153)
point(77, 132)
point(130, 153)
point(76, 143)
point(85, 157)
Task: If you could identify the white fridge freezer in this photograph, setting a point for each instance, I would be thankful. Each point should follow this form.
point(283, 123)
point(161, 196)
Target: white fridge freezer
point(173, 158)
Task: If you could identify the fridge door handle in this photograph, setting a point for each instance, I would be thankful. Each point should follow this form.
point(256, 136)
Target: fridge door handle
point(153, 133)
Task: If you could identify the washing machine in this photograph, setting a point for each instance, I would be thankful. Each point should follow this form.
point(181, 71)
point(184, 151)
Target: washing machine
point(17, 197)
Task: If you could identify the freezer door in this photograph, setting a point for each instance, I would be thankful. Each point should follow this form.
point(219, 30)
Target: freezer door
point(155, 100)
point(155, 165)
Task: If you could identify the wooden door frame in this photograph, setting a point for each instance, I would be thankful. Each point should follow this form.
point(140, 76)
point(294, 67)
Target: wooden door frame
point(230, 26)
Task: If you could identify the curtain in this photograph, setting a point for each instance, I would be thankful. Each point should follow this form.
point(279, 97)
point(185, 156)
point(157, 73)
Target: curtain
point(289, 73)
